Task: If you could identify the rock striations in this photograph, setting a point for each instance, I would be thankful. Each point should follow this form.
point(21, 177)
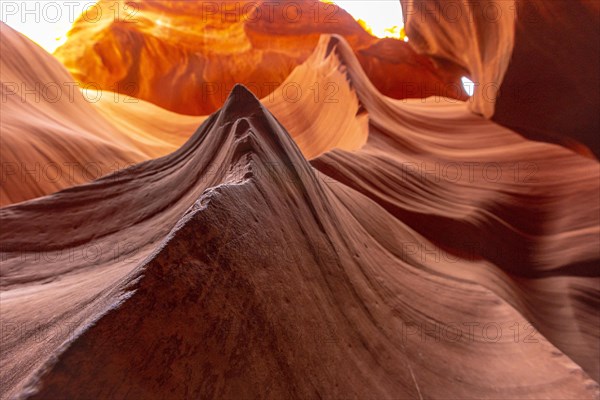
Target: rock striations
point(337, 245)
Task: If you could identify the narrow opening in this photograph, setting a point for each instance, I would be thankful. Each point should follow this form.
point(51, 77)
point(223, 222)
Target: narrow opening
point(468, 85)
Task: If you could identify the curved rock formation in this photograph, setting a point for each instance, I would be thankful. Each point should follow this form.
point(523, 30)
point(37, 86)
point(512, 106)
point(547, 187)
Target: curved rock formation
point(533, 62)
point(54, 137)
point(297, 247)
point(51, 137)
point(317, 306)
point(187, 57)
point(551, 89)
point(73, 143)
point(482, 192)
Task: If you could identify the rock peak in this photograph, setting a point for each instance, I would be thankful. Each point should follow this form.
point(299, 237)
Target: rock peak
point(241, 102)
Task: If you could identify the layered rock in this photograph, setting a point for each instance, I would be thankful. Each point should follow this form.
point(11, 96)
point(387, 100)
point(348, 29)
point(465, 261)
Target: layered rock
point(424, 251)
point(218, 298)
point(534, 63)
point(51, 136)
point(186, 56)
point(53, 140)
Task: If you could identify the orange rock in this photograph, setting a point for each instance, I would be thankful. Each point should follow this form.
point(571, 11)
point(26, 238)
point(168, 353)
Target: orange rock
point(186, 58)
point(534, 62)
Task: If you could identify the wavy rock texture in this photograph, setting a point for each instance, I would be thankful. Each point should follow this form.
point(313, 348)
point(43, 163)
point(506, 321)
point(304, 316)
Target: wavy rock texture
point(534, 62)
point(233, 268)
point(185, 56)
point(551, 89)
point(369, 248)
point(313, 98)
point(524, 217)
point(75, 140)
point(48, 128)
point(315, 306)
point(54, 137)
